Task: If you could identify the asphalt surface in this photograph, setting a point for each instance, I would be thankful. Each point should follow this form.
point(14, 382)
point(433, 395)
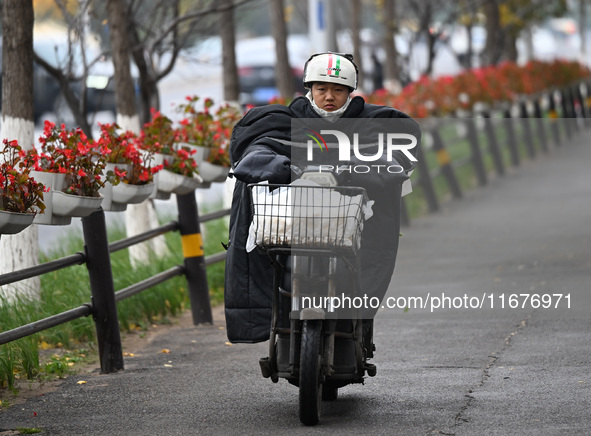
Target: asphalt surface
point(458, 370)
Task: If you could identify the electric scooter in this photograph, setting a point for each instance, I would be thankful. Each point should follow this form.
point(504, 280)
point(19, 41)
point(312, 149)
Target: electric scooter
point(311, 231)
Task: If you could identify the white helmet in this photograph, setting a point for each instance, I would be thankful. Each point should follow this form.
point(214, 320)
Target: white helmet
point(331, 67)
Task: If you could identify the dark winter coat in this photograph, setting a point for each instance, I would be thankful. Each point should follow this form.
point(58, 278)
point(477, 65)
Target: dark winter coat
point(258, 153)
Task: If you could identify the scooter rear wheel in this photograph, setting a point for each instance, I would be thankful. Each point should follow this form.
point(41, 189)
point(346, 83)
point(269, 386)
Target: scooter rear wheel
point(310, 372)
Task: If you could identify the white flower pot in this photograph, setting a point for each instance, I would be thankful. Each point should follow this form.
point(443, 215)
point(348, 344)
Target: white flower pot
point(125, 193)
point(172, 183)
point(158, 159)
point(14, 222)
point(55, 183)
point(213, 173)
point(107, 190)
point(201, 153)
point(69, 205)
point(119, 166)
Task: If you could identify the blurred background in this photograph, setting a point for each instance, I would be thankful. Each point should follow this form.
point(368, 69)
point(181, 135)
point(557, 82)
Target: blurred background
point(182, 47)
point(253, 51)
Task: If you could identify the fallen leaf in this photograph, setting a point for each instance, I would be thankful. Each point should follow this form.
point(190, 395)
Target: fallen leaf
point(165, 351)
point(229, 344)
point(81, 382)
point(129, 354)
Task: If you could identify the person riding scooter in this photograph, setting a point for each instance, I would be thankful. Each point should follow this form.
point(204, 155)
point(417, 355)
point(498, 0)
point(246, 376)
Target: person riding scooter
point(261, 150)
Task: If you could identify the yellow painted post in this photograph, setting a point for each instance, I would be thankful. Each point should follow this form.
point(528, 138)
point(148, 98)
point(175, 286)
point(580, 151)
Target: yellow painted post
point(194, 262)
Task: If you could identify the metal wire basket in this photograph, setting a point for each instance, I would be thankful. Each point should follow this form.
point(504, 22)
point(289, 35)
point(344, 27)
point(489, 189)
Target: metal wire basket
point(307, 217)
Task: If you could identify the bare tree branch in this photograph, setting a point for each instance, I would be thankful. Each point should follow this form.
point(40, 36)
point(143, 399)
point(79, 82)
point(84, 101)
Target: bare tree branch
point(69, 19)
point(77, 105)
point(175, 46)
point(193, 15)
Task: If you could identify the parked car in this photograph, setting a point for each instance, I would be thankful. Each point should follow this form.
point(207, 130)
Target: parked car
point(255, 58)
point(256, 62)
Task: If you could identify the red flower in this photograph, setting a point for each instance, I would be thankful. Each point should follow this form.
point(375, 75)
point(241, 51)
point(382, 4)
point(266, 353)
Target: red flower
point(19, 192)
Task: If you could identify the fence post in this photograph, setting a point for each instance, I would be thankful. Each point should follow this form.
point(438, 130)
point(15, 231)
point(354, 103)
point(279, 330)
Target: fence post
point(426, 182)
point(493, 146)
point(553, 115)
point(528, 138)
point(566, 115)
point(585, 101)
point(573, 107)
point(511, 141)
point(476, 151)
point(194, 258)
point(584, 111)
point(104, 307)
point(444, 161)
point(540, 124)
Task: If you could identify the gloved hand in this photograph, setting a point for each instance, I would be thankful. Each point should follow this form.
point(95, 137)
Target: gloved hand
point(263, 164)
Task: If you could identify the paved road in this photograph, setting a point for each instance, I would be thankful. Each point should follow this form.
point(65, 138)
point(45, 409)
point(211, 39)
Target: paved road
point(487, 370)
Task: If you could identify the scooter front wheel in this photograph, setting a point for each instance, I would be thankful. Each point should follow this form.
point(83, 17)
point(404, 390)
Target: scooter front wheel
point(310, 372)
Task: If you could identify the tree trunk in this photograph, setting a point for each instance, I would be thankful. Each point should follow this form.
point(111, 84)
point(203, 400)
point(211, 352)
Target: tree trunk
point(283, 74)
point(231, 84)
point(510, 52)
point(467, 61)
point(355, 30)
point(124, 89)
point(149, 94)
point(493, 47)
point(21, 250)
point(141, 217)
point(471, 10)
point(583, 31)
point(391, 81)
point(431, 39)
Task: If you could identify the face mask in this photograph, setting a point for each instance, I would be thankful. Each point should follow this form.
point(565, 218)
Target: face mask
point(329, 116)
